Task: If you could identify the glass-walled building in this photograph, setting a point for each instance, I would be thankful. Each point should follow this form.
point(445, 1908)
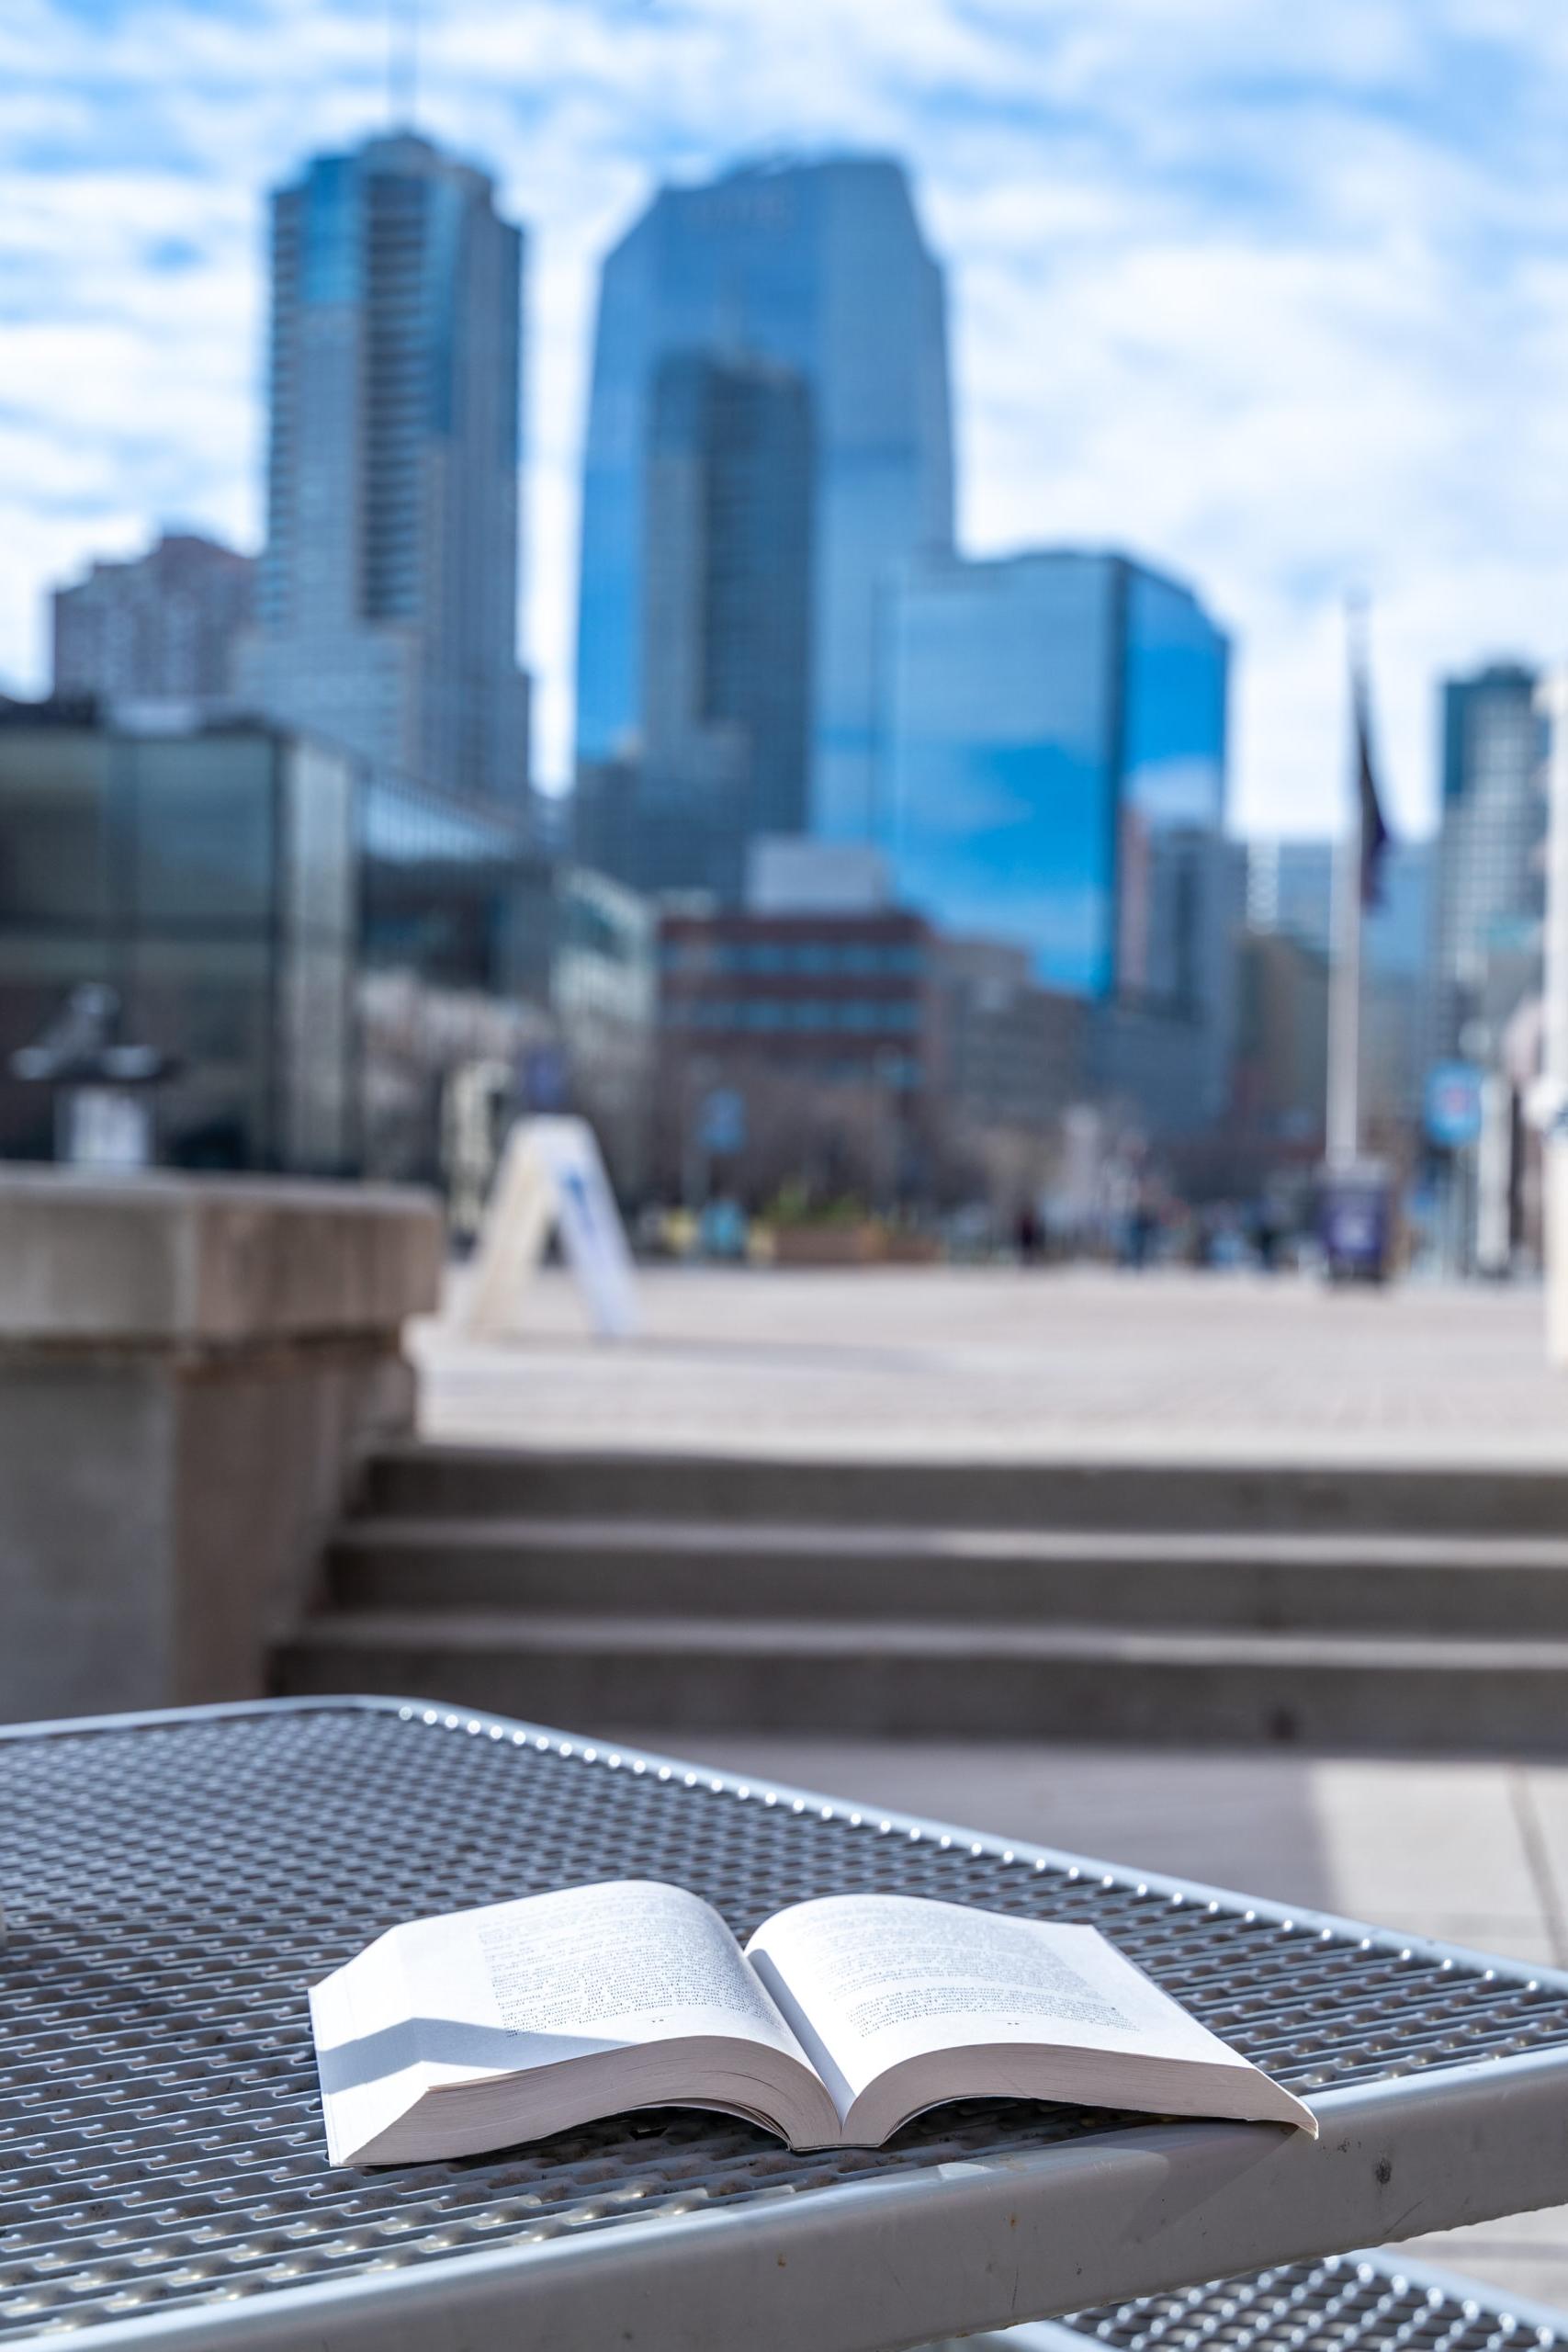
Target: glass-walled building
point(1289, 896)
point(1052, 775)
point(822, 268)
point(441, 893)
point(726, 616)
point(479, 953)
point(995, 800)
point(1055, 729)
point(209, 877)
point(1174, 666)
point(387, 595)
point(1491, 876)
point(318, 949)
point(449, 917)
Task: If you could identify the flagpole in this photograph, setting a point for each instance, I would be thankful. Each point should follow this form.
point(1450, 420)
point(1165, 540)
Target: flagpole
point(1343, 1109)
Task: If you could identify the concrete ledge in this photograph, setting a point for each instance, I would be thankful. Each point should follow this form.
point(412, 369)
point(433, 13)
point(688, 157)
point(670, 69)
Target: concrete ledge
point(191, 1375)
point(166, 1260)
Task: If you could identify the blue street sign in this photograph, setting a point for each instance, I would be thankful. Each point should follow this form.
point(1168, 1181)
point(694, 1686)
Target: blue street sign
point(1454, 1104)
point(545, 1079)
point(721, 1122)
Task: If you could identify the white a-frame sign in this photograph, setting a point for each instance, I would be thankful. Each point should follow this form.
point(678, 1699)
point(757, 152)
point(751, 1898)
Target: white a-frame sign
point(551, 1178)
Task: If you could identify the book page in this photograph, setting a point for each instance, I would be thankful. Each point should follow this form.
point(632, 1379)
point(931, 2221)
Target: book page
point(871, 1981)
point(630, 1960)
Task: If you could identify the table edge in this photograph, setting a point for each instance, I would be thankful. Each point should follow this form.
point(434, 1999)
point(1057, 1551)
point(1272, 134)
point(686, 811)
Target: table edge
point(964, 2245)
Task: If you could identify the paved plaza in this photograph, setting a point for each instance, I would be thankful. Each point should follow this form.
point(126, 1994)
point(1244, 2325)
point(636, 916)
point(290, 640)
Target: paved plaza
point(991, 1362)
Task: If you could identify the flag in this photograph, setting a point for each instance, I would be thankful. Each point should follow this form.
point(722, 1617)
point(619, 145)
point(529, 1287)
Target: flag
point(1375, 834)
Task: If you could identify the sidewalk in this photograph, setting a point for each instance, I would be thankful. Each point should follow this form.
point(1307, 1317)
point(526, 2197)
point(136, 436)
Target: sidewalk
point(985, 1363)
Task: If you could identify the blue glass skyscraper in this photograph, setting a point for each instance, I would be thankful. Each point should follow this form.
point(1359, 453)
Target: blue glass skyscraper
point(1055, 724)
point(1490, 893)
point(1053, 773)
point(822, 267)
point(387, 603)
point(727, 606)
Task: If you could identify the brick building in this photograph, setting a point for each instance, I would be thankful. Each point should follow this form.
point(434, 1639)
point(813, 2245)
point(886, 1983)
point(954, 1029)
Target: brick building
point(871, 1057)
point(830, 1025)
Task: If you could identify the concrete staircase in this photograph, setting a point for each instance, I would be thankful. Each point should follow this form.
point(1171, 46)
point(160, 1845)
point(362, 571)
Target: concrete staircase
point(1351, 1609)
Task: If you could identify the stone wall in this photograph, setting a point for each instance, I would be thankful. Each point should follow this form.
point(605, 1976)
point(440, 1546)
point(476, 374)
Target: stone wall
point(191, 1374)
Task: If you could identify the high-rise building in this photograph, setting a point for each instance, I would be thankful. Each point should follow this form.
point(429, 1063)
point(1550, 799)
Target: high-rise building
point(1491, 879)
point(159, 627)
point(1014, 1050)
point(1289, 889)
point(388, 596)
point(726, 603)
point(1053, 774)
point(1281, 1062)
point(822, 268)
point(1055, 731)
point(1289, 894)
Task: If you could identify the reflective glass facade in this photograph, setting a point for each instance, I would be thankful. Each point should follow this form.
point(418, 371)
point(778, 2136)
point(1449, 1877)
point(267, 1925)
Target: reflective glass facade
point(443, 887)
point(1054, 763)
point(1053, 776)
point(211, 878)
point(998, 792)
point(726, 607)
point(1490, 893)
point(1171, 795)
point(387, 598)
point(1289, 889)
point(821, 268)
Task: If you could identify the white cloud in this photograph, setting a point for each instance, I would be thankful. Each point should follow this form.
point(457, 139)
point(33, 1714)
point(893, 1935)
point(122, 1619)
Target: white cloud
point(1274, 296)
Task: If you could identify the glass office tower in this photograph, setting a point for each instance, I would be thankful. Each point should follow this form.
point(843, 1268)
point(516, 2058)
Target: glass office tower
point(387, 594)
point(1053, 774)
point(1056, 730)
point(727, 609)
point(1290, 889)
point(821, 268)
point(1490, 882)
point(1289, 896)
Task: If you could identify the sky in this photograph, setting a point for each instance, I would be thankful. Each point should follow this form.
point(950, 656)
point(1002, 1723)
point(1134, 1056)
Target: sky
point(1272, 292)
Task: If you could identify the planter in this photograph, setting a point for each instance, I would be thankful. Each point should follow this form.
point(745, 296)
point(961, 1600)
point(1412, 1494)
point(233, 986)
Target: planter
point(910, 1250)
point(828, 1245)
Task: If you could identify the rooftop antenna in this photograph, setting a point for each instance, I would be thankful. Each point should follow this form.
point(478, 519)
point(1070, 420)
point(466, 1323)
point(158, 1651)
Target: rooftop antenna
point(402, 62)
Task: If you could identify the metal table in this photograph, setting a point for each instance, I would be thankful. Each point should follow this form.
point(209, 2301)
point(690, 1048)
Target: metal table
point(173, 1882)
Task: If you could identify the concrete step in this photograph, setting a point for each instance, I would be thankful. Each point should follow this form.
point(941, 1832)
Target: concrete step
point(1261, 1581)
point(1354, 1693)
point(451, 1481)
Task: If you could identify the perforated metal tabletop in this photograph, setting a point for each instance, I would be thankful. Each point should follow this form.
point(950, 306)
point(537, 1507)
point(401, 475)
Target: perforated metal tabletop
point(1356, 2303)
point(173, 1883)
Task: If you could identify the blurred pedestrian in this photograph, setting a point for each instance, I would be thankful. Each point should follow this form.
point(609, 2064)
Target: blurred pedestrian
point(1143, 1226)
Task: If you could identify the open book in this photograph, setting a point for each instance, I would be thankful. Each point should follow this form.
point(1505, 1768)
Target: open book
point(841, 2019)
